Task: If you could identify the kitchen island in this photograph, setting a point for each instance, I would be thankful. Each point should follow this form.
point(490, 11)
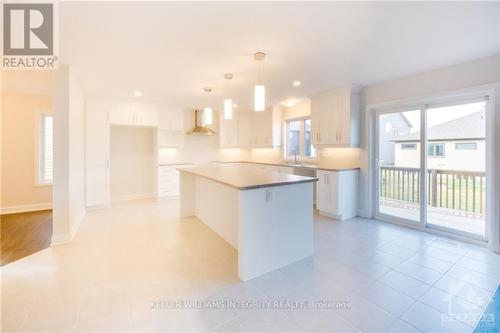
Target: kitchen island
point(266, 216)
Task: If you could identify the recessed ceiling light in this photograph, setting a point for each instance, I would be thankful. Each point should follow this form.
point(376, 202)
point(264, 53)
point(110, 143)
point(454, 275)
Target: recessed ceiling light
point(137, 93)
point(296, 83)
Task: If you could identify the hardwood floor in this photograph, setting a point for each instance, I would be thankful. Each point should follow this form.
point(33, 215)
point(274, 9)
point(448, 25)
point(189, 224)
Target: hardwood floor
point(23, 234)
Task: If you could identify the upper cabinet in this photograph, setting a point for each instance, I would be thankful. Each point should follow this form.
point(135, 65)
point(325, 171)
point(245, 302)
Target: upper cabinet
point(171, 128)
point(251, 129)
point(128, 113)
point(171, 119)
point(228, 130)
point(335, 117)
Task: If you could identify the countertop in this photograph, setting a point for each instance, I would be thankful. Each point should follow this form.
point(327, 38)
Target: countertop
point(243, 179)
point(303, 166)
point(173, 164)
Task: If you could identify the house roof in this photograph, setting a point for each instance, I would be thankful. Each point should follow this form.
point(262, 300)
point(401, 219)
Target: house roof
point(468, 127)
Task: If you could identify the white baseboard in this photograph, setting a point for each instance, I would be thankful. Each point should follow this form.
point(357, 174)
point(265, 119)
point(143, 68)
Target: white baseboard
point(67, 238)
point(96, 207)
point(135, 196)
point(26, 208)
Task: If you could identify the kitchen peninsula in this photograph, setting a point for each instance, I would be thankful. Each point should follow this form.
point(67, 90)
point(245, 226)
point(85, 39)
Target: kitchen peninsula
point(266, 216)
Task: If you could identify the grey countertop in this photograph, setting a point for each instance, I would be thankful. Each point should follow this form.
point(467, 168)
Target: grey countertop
point(303, 166)
point(173, 164)
point(243, 179)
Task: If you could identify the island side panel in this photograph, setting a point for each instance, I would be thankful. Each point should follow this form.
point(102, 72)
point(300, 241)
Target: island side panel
point(216, 205)
point(275, 228)
point(187, 191)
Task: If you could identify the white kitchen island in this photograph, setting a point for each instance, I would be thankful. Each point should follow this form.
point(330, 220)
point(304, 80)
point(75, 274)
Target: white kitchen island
point(266, 216)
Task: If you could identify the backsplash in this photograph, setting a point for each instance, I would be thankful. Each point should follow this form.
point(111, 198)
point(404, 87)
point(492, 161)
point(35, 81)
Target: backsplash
point(328, 157)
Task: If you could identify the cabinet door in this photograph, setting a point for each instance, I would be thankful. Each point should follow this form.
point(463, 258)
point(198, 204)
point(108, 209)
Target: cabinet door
point(315, 120)
point(96, 153)
point(327, 192)
point(170, 119)
point(323, 191)
point(121, 113)
point(244, 129)
point(146, 115)
point(321, 120)
point(341, 121)
point(228, 132)
point(262, 128)
point(333, 184)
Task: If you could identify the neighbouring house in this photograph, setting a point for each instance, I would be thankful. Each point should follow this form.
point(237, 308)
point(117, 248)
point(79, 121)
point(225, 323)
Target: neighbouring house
point(458, 145)
point(392, 126)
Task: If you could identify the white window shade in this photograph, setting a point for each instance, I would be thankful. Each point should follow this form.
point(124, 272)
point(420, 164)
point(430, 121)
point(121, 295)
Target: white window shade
point(46, 149)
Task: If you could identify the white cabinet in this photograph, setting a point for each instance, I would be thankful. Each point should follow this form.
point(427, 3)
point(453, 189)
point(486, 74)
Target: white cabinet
point(337, 193)
point(335, 118)
point(168, 181)
point(146, 115)
point(96, 153)
point(170, 128)
point(125, 113)
point(262, 129)
point(100, 113)
point(244, 128)
point(252, 129)
point(228, 131)
point(171, 119)
point(121, 113)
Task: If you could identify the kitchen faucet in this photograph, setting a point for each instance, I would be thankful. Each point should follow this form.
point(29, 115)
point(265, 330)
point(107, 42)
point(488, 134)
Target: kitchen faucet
point(295, 155)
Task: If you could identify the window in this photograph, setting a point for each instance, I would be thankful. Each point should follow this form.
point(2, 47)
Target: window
point(298, 138)
point(45, 149)
point(466, 146)
point(408, 146)
point(436, 150)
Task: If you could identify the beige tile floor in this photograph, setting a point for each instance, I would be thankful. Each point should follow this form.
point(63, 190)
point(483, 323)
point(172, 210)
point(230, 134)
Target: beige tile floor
point(127, 257)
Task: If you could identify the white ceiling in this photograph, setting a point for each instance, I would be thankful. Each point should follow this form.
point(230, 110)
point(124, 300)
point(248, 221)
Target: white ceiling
point(170, 51)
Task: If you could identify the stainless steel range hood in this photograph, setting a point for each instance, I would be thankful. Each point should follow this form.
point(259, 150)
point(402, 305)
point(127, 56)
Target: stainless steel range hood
point(199, 127)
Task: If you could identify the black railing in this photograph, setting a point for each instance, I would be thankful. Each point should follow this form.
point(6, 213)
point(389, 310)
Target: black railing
point(458, 190)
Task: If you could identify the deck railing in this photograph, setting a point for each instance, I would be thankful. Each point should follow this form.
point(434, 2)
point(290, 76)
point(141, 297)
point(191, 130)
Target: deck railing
point(462, 191)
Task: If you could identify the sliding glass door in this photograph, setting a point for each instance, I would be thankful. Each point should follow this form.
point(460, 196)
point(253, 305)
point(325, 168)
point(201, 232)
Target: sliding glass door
point(398, 165)
point(456, 173)
point(431, 166)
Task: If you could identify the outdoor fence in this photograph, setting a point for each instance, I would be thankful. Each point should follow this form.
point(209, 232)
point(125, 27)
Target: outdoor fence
point(462, 191)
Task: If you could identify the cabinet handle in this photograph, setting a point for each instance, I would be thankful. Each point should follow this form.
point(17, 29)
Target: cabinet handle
point(340, 135)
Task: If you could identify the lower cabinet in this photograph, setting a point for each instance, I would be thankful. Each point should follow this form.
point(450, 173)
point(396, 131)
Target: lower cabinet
point(168, 181)
point(337, 193)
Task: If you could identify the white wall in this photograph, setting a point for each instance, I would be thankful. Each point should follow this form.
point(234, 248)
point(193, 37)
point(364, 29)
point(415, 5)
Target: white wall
point(132, 162)
point(68, 185)
point(20, 115)
point(201, 148)
point(485, 71)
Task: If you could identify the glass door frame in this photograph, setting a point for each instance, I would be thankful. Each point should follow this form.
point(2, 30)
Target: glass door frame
point(423, 107)
point(422, 186)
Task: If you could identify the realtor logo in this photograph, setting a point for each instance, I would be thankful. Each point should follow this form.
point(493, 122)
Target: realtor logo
point(28, 36)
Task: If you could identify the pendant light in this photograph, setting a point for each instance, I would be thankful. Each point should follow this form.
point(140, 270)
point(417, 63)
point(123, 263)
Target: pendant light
point(228, 102)
point(259, 90)
point(207, 112)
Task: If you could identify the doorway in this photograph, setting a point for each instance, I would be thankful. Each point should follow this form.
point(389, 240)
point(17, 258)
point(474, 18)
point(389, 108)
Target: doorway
point(430, 165)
